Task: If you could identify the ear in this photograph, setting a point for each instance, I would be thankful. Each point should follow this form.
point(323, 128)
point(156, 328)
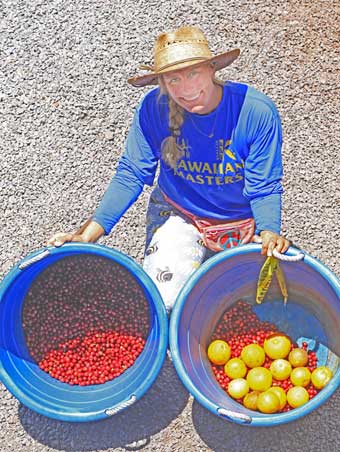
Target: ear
point(212, 66)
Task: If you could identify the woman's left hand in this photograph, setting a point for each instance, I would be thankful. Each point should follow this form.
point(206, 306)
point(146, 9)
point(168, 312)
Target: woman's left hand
point(271, 241)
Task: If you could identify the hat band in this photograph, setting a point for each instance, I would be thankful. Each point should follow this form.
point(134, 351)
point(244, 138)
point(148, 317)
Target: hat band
point(166, 66)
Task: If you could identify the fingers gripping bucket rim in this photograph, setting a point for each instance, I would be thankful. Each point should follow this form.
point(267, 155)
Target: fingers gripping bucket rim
point(216, 285)
point(48, 396)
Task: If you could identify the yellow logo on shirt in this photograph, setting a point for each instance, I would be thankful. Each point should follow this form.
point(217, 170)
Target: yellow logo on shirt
point(227, 170)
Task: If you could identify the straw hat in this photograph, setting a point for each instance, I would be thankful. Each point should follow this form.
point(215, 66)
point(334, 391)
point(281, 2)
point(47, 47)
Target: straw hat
point(186, 46)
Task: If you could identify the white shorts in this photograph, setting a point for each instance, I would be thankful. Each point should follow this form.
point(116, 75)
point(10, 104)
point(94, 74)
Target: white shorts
point(174, 248)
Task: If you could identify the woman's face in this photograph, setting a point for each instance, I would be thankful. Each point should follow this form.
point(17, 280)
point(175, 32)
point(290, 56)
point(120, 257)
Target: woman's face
point(193, 88)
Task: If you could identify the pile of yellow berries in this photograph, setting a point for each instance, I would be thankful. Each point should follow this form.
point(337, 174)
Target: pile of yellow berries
point(271, 378)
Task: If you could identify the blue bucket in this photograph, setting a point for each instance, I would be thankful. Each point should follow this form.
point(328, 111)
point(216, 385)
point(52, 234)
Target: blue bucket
point(312, 314)
point(48, 396)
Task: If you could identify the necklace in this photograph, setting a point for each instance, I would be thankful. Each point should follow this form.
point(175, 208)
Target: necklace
point(211, 134)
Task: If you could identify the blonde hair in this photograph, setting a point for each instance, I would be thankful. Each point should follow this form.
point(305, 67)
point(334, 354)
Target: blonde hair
point(171, 149)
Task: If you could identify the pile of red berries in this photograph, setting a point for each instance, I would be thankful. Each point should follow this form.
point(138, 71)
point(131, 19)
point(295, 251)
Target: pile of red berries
point(85, 319)
point(94, 359)
point(239, 327)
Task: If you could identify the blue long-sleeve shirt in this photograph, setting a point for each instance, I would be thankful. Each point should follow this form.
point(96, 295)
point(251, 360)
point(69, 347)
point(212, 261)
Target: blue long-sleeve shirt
point(234, 175)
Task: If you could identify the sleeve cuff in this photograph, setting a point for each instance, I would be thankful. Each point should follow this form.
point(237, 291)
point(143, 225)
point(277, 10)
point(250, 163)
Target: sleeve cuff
point(119, 196)
point(267, 213)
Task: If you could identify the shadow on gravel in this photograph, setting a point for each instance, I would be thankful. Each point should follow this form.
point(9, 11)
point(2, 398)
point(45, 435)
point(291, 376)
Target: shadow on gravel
point(162, 403)
point(318, 431)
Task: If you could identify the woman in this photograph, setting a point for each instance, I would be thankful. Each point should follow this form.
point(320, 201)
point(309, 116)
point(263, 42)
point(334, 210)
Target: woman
point(219, 150)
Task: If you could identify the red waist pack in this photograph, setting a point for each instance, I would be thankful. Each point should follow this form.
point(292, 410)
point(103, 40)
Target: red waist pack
point(219, 236)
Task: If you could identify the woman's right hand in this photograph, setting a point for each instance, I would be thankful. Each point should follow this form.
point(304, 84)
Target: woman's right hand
point(62, 237)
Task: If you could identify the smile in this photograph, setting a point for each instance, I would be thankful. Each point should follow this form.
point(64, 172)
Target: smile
point(190, 99)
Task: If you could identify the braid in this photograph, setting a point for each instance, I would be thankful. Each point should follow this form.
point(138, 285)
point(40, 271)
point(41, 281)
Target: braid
point(171, 150)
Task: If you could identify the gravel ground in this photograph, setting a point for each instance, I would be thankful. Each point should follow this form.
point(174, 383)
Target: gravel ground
point(65, 109)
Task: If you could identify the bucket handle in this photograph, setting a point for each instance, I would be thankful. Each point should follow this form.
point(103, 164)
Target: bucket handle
point(280, 256)
point(234, 416)
point(121, 406)
point(34, 259)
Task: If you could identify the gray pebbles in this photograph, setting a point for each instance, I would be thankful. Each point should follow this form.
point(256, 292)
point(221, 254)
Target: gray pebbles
point(65, 110)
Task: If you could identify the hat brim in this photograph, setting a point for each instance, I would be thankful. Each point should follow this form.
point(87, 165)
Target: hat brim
point(220, 61)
